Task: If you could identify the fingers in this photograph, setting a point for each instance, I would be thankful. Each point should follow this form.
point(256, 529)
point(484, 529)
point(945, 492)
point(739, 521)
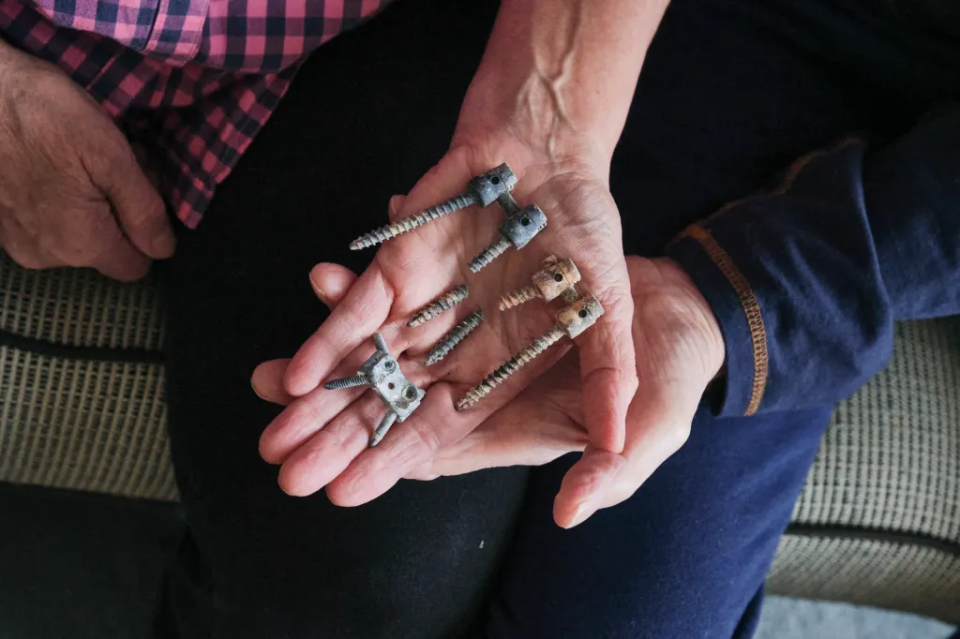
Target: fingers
point(361, 312)
point(267, 382)
point(138, 208)
point(331, 282)
point(328, 452)
point(608, 369)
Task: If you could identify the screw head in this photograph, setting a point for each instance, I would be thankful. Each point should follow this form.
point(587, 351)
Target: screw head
point(389, 365)
point(410, 393)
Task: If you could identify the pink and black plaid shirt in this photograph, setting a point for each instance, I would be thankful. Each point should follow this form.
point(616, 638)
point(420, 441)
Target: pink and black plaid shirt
point(190, 81)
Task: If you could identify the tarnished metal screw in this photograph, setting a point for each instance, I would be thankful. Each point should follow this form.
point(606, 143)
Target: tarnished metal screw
point(382, 373)
point(505, 370)
point(516, 231)
point(556, 279)
point(571, 321)
point(347, 382)
point(454, 337)
point(439, 305)
point(483, 190)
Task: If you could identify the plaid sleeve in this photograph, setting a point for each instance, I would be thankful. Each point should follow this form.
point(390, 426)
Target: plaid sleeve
point(171, 29)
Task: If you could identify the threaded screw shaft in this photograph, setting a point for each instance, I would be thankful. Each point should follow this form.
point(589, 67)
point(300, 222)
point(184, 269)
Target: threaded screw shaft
point(489, 254)
point(347, 382)
point(516, 298)
point(454, 337)
point(382, 428)
point(411, 222)
point(503, 373)
point(439, 305)
point(380, 343)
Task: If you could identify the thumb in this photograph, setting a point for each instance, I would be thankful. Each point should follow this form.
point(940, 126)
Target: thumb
point(659, 424)
point(140, 212)
point(331, 282)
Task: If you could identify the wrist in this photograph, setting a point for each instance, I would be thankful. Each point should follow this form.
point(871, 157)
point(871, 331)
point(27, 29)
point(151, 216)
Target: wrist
point(560, 76)
point(701, 315)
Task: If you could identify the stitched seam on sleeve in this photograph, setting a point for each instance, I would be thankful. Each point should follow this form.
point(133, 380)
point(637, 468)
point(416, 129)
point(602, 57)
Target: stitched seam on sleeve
point(751, 309)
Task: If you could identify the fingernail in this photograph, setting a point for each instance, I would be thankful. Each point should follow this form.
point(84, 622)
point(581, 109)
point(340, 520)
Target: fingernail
point(583, 512)
point(322, 294)
point(256, 392)
point(396, 203)
point(164, 244)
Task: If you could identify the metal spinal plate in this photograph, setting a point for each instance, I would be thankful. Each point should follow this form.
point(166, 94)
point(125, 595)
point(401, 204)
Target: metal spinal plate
point(394, 389)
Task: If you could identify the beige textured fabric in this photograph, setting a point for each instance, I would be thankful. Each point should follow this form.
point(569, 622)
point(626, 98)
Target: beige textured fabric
point(79, 307)
point(95, 426)
point(903, 576)
point(890, 465)
point(68, 422)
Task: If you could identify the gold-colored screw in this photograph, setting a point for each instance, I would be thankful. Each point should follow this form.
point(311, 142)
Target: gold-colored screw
point(571, 321)
point(557, 278)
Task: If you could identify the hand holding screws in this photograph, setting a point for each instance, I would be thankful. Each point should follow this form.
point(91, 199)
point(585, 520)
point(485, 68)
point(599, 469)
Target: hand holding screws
point(556, 279)
point(443, 303)
point(483, 190)
point(571, 321)
point(454, 337)
point(381, 372)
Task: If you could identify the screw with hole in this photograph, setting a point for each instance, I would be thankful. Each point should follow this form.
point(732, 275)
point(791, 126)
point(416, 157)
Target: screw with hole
point(483, 190)
point(554, 280)
point(381, 372)
point(516, 231)
point(570, 321)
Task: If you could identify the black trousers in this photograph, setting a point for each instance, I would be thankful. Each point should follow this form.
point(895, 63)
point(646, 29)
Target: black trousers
point(731, 93)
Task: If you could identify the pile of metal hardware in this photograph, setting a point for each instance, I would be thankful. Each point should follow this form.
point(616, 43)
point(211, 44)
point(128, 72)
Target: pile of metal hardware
point(557, 278)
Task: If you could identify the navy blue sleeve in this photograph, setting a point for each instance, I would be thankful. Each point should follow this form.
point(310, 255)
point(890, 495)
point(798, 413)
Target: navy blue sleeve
point(806, 281)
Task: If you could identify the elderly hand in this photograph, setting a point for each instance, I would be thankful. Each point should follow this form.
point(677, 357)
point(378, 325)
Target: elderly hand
point(324, 435)
point(679, 350)
point(71, 192)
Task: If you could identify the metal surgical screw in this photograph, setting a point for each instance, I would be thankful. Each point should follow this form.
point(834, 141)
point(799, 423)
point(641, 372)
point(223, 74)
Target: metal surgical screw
point(516, 231)
point(382, 373)
point(556, 279)
point(443, 303)
point(454, 337)
point(483, 190)
point(571, 321)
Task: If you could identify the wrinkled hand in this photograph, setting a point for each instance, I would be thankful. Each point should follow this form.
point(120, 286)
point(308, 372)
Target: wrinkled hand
point(679, 351)
point(322, 438)
point(71, 192)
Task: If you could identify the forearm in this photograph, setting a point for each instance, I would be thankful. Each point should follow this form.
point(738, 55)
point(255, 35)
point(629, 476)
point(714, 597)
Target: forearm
point(563, 70)
point(807, 281)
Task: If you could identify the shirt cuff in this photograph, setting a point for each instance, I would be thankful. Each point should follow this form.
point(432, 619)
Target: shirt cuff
point(737, 309)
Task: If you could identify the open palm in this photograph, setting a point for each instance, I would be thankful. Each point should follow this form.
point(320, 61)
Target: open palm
point(679, 350)
point(323, 435)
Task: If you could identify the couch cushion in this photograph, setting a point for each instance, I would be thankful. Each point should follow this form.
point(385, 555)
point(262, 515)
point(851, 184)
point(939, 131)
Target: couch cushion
point(878, 521)
point(81, 383)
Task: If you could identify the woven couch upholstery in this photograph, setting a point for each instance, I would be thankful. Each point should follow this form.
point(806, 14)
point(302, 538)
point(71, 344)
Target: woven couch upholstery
point(81, 407)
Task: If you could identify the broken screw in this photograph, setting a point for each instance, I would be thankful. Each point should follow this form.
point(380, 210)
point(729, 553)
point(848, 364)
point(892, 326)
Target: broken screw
point(454, 337)
point(443, 303)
